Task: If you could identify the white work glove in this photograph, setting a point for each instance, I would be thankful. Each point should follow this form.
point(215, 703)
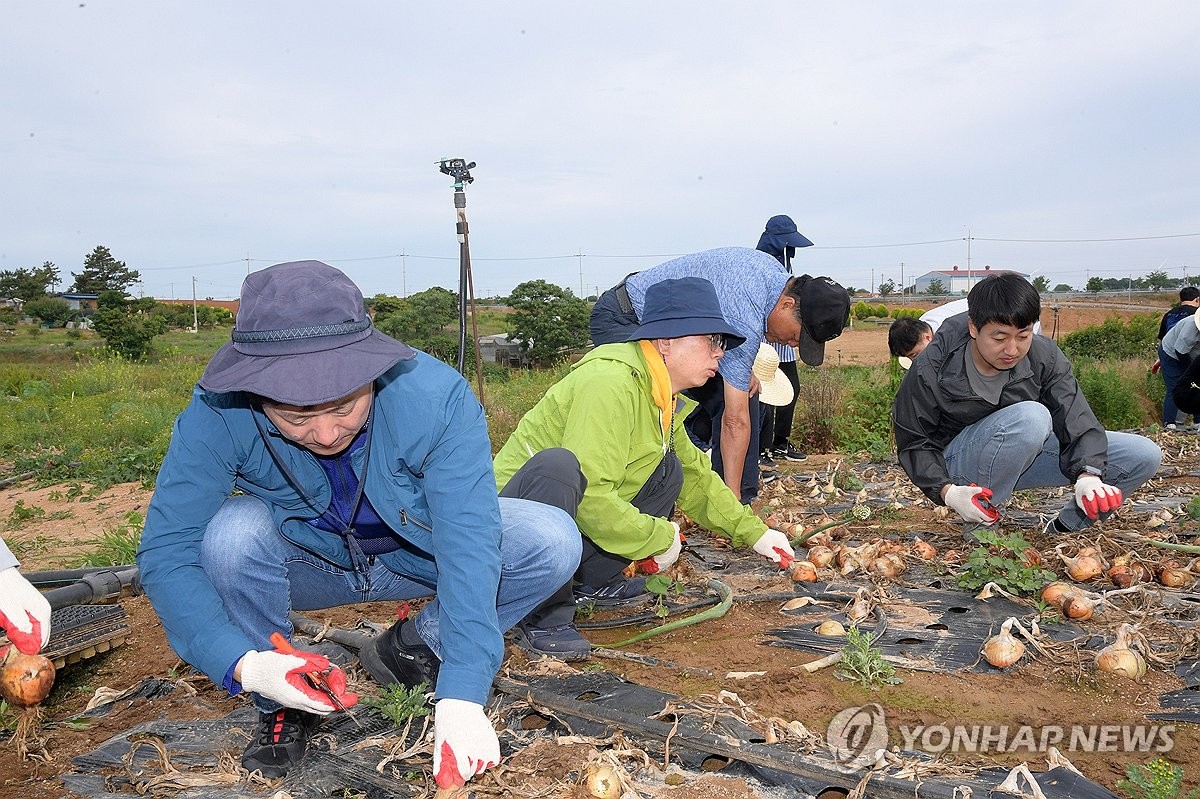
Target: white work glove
point(464, 742)
point(972, 503)
point(666, 560)
point(1094, 496)
point(24, 612)
point(281, 678)
point(775, 546)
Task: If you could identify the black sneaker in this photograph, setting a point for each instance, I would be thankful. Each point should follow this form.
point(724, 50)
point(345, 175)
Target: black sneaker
point(563, 641)
point(619, 594)
point(765, 460)
point(390, 661)
point(789, 453)
point(279, 741)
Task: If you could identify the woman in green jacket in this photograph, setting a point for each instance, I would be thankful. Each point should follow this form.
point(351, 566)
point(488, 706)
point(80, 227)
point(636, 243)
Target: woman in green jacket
point(607, 445)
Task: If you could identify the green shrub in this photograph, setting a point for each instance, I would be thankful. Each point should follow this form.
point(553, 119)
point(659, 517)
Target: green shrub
point(863, 421)
point(1137, 338)
point(1112, 398)
point(817, 404)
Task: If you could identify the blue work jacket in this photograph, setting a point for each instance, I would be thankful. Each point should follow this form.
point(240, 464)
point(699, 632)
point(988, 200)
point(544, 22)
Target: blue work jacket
point(429, 477)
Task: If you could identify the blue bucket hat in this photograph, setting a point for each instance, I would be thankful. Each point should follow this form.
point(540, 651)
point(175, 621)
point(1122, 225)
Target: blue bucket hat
point(302, 337)
point(685, 306)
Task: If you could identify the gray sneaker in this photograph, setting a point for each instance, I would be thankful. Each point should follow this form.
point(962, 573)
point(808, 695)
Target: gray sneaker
point(562, 641)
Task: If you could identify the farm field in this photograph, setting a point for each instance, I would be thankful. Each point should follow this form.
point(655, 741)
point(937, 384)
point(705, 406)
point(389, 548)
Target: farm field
point(743, 652)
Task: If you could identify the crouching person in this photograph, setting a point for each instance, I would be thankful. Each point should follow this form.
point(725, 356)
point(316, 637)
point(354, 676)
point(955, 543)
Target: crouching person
point(607, 445)
point(363, 472)
point(990, 408)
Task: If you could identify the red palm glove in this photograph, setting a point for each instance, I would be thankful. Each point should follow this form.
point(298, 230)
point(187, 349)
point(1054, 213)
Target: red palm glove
point(24, 612)
point(283, 678)
point(973, 503)
point(1094, 496)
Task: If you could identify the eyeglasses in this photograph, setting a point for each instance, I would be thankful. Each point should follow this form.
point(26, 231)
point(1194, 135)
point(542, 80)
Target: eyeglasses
point(718, 342)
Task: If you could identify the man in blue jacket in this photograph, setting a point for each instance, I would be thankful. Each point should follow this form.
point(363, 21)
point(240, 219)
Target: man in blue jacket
point(364, 473)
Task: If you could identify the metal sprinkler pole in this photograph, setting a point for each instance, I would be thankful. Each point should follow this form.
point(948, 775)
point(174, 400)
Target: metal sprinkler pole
point(460, 170)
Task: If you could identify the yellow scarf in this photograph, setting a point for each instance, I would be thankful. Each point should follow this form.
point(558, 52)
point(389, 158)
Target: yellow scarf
point(660, 387)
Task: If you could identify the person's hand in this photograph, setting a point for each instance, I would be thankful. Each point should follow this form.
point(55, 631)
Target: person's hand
point(282, 678)
point(665, 560)
point(775, 546)
point(1094, 496)
point(972, 503)
point(464, 742)
point(24, 612)
point(1157, 365)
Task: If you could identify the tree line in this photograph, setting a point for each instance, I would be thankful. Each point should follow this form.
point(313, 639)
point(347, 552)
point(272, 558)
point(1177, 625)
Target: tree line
point(547, 321)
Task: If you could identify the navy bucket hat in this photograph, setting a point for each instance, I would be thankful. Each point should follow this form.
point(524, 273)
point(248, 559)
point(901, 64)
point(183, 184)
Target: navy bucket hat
point(302, 337)
point(779, 233)
point(685, 306)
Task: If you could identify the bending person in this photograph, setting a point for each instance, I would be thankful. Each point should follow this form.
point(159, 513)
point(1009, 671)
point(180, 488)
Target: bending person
point(760, 300)
point(606, 444)
point(362, 471)
point(990, 408)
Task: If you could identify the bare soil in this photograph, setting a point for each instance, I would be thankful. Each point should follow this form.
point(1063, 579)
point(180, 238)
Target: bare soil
point(1034, 692)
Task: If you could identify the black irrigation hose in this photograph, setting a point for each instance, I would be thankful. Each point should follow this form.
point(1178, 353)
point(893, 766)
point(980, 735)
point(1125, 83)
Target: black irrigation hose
point(69, 576)
point(648, 616)
point(96, 588)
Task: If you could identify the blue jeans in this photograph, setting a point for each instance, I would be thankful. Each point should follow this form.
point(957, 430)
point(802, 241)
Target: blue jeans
point(261, 576)
point(1172, 370)
point(1015, 448)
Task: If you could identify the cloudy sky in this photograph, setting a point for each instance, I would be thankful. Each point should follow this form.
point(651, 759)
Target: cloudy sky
point(199, 140)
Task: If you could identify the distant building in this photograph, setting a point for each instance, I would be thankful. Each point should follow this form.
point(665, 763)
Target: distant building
point(498, 349)
point(79, 302)
point(958, 281)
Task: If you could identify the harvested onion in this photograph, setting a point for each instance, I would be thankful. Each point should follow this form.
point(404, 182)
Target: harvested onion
point(602, 781)
point(1078, 607)
point(803, 571)
point(25, 680)
point(1172, 575)
point(831, 627)
point(1003, 649)
point(1056, 592)
point(1086, 565)
point(820, 556)
point(1119, 658)
point(923, 549)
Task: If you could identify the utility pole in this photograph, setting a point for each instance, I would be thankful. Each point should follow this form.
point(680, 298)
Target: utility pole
point(580, 256)
point(872, 281)
point(195, 314)
point(969, 281)
point(247, 264)
point(403, 275)
point(902, 277)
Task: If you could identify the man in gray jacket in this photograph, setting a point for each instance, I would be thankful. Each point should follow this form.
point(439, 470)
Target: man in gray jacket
point(990, 408)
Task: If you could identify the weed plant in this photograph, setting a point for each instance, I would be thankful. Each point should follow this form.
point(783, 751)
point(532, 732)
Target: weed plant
point(117, 546)
point(1001, 559)
point(399, 704)
point(864, 664)
point(1158, 779)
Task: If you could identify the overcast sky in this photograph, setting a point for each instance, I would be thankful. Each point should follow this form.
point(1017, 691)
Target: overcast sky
point(199, 139)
